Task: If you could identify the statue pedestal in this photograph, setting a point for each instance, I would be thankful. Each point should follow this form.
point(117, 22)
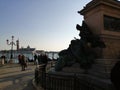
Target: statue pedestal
point(98, 76)
point(102, 67)
point(99, 15)
point(75, 68)
point(81, 81)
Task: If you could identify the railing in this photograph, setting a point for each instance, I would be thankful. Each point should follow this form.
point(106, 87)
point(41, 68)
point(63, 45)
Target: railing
point(57, 81)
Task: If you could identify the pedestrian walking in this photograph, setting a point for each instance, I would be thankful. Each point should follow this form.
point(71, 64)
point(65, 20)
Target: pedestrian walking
point(19, 59)
point(39, 59)
point(23, 62)
point(44, 60)
point(35, 59)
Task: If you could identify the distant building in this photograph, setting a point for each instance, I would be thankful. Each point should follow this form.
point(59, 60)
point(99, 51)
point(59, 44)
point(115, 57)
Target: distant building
point(28, 52)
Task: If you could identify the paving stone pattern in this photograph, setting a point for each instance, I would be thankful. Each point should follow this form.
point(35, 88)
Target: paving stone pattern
point(12, 78)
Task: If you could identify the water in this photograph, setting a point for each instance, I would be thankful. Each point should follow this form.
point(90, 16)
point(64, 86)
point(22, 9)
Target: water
point(28, 55)
point(51, 55)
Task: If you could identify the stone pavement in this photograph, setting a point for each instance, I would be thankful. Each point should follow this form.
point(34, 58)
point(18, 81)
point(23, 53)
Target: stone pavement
point(12, 78)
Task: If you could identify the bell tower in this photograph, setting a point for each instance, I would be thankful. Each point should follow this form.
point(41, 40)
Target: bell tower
point(17, 43)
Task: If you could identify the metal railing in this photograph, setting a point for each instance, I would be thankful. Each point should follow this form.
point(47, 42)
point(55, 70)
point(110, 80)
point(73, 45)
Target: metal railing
point(53, 81)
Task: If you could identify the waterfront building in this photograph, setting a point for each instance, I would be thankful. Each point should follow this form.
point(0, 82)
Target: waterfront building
point(28, 52)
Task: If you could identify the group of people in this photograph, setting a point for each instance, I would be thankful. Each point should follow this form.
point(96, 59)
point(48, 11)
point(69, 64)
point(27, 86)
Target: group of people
point(41, 59)
point(38, 59)
point(22, 61)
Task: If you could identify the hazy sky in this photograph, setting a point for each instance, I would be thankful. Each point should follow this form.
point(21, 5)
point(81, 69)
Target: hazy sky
point(43, 24)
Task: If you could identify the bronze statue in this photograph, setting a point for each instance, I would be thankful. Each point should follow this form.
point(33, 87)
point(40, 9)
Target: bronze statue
point(80, 50)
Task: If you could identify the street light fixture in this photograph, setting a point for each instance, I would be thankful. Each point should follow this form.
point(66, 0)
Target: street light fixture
point(12, 44)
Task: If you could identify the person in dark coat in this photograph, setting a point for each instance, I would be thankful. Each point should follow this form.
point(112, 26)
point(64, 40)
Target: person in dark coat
point(23, 62)
point(19, 59)
point(35, 59)
point(115, 75)
point(39, 59)
point(44, 60)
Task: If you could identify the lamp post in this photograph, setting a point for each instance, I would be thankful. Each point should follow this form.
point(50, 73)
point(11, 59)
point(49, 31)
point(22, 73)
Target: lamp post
point(12, 44)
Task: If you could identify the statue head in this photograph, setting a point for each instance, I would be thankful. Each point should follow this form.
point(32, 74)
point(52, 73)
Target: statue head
point(88, 36)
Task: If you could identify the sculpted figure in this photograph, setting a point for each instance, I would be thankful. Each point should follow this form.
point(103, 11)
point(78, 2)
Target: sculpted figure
point(80, 50)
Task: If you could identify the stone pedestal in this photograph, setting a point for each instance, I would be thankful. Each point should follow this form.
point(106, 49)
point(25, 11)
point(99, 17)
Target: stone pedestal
point(103, 17)
point(75, 68)
point(102, 68)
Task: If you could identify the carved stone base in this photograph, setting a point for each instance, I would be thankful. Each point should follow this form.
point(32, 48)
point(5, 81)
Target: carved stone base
point(98, 76)
point(75, 68)
point(98, 83)
point(81, 81)
point(102, 67)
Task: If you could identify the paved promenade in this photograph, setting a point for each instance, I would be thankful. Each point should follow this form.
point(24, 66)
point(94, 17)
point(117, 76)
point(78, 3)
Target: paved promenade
point(12, 78)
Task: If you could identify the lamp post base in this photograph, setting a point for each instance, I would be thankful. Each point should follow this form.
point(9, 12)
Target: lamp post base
point(2, 61)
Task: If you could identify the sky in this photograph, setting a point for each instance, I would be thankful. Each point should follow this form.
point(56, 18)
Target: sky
point(47, 25)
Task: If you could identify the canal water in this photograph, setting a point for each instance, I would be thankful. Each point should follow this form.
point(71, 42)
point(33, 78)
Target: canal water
point(28, 55)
